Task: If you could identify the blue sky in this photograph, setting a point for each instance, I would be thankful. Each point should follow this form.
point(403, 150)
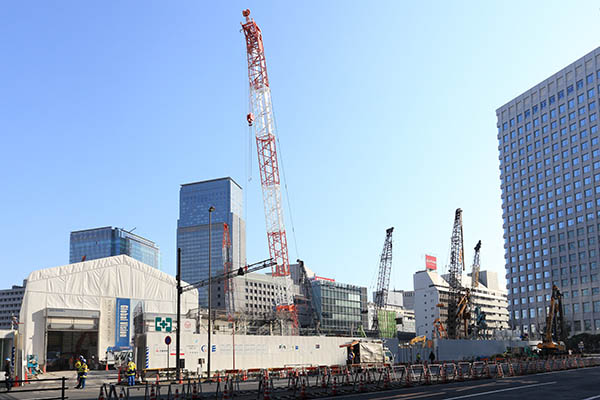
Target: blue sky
point(385, 110)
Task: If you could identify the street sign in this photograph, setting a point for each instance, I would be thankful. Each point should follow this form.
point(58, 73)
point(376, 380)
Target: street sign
point(168, 340)
point(163, 324)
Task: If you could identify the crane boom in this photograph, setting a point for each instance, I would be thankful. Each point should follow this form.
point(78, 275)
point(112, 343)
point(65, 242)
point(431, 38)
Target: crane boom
point(262, 119)
point(475, 271)
point(455, 269)
point(383, 279)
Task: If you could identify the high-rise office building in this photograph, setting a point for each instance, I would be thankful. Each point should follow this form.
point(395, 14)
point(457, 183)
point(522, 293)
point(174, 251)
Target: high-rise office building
point(91, 244)
point(195, 199)
point(550, 179)
point(342, 308)
point(10, 305)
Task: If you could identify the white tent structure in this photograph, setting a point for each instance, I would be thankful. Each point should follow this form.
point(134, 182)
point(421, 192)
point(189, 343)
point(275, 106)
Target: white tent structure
point(94, 297)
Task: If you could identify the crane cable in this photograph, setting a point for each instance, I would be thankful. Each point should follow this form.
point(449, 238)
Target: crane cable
point(287, 195)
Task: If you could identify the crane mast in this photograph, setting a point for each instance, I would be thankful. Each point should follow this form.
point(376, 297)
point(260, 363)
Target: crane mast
point(262, 119)
point(455, 269)
point(383, 279)
point(475, 270)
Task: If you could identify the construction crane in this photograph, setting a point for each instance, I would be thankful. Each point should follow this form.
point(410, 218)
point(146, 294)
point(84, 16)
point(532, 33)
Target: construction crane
point(555, 323)
point(475, 270)
point(455, 270)
point(383, 279)
point(262, 119)
point(229, 275)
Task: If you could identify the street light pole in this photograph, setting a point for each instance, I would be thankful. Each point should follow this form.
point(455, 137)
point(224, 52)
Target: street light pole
point(210, 211)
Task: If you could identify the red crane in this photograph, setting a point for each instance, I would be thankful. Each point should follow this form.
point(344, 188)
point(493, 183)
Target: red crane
point(261, 118)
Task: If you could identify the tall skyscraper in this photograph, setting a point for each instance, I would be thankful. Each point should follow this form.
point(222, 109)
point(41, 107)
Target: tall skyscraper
point(550, 179)
point(108, 241)
point(195, 199)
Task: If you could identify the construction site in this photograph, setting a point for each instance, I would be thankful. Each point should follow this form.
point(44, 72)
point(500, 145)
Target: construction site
point(275, 328)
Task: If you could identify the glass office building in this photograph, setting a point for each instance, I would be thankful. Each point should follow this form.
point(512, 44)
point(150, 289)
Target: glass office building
point(342, 308)
point(549, 151)
point(195, 199)
point(91, 244)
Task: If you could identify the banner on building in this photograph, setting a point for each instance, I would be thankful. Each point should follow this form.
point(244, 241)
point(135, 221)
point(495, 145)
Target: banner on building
point(122, 323)
point(430, 262)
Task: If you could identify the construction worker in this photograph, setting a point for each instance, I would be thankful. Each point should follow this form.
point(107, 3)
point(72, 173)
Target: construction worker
point(83, 371)
point(77, 367)
point(131, 370)
point(8, 374)
point(431, 357)
point(418, 357)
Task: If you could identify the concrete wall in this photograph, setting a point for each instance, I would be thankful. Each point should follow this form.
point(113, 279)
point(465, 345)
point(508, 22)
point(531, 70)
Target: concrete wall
point(250, 351)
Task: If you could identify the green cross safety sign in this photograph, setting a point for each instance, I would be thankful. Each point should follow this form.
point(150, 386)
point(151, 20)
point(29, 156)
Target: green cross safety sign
point(163, 324)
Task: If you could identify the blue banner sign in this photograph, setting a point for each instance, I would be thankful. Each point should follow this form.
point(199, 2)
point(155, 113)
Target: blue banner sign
point(122, 323)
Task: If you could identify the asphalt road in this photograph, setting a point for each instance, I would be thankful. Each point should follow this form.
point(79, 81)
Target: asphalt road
point(576, 384)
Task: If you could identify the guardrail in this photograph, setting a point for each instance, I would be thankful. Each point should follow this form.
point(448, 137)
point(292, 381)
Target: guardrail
point(33, 385)
point(322, 381)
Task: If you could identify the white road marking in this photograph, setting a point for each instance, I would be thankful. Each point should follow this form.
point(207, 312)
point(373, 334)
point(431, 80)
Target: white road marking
point(499, 390)
point(593, 397)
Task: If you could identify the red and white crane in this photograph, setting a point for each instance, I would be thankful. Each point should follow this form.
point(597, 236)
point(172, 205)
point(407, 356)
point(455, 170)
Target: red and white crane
point(262, 119)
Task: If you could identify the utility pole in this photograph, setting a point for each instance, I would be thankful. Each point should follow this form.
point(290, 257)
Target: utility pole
point(178, 332)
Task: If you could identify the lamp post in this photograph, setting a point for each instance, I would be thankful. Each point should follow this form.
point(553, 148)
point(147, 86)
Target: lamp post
point(210, 211)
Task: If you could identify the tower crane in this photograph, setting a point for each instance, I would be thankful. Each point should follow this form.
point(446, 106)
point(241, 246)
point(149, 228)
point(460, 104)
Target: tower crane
point(383, 279)
point(262, 119)
point(455, 269)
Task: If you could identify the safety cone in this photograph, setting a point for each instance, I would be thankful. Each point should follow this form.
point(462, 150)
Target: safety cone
point(244, 375)
point(386, 380)
point(152, 394)
point(106, 367)
point(460, 374)
point(499, 371)
point(361, 385)
point(408, 377)
point(121, 394)
point(119, 376)
point(323, 384)
point(488, 372)
point(176, 396)
point(443, 375)
point(101, 396)
point(347, 376)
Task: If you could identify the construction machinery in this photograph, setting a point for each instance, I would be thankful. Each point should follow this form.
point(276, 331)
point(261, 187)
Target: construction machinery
point(439, 329)
point(555, 326)
point(383, 279)
point(475, 269)
point(458, 297)
point(262, 120)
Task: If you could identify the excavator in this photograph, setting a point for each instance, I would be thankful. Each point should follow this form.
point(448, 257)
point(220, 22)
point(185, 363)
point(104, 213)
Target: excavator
point(555, 323)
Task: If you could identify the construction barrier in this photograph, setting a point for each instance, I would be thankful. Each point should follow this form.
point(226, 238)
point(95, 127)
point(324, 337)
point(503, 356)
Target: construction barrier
point(322, 381)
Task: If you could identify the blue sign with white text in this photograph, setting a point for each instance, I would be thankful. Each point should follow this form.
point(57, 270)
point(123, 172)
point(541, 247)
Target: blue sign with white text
point(122, 323)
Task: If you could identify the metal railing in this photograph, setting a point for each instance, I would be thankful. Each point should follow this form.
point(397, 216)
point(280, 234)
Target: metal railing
point(38, 385)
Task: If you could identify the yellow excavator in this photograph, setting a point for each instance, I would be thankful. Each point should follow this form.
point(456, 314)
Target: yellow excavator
point(554, 324)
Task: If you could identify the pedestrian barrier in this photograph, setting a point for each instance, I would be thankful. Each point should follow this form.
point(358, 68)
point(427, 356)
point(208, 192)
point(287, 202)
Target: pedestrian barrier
point(321, 381)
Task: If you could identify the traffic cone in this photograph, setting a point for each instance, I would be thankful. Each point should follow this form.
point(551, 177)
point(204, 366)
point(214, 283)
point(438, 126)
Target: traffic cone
point(152, 394)
point(443, 374)
point(408, 377)
point(361, 386)
point(119, 376)
point(244, 376)
point(347, 376)
point(427, 375)
point(323, 384)
point(176, 397)
point(499, 371)
point(488, 372)
point(460, 374)
point(121, 394)
point(386, 380)
point(195, 392)
point(106, 368)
